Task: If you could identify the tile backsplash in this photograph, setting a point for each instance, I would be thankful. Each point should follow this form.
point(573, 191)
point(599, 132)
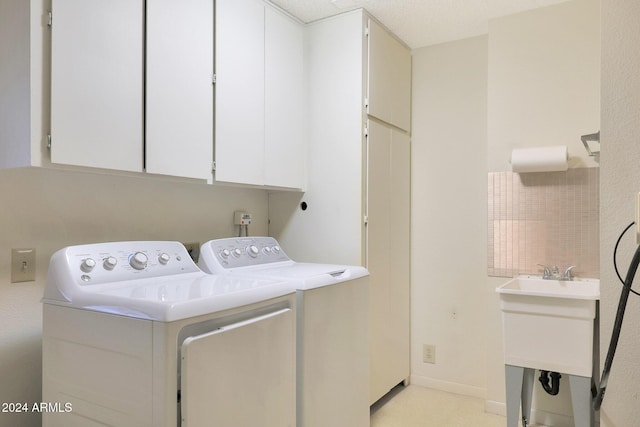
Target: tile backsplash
point(543, 218)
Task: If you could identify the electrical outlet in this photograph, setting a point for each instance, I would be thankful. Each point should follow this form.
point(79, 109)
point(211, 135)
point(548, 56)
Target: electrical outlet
point(194, 250)
point(23, 265)
point(429, 353)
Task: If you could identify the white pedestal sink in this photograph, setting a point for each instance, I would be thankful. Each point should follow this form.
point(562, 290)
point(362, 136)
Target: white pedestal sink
point(549, 325)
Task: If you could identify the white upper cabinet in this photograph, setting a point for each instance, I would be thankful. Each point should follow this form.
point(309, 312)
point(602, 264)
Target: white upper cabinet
point(389, 88)
point(179, 88)
point(239, 123)
point(97, 83)
point(259, 99)
point(285, 115)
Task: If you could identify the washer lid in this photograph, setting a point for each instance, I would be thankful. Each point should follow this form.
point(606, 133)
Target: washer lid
point(305, 275)
point(163, 285)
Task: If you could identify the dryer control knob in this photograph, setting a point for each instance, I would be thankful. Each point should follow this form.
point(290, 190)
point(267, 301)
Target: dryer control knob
point(266, 250)
point(276, 249)
point(163, 258)
point(225, 253)
point(138, 261)
point(253, 251)
point(109, 263)
point(237, 252)
point(87, 265)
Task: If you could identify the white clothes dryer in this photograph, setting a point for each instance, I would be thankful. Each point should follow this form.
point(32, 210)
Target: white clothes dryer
point(134, 334)
point(332, 326)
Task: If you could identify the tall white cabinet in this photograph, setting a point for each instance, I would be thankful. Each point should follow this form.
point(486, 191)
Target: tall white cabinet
point(357, 206)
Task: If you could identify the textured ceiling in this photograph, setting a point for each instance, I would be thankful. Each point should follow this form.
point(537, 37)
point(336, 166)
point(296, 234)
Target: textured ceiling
point(419, 22)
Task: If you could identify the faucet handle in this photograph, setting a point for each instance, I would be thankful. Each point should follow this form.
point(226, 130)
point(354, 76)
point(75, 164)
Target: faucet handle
point(546, 274)
point(567, 273)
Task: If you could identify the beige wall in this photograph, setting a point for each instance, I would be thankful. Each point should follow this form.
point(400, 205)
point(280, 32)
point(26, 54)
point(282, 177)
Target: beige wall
point(534, 80)
point(544, 81)
point(619, 184)
point(48, 210)
point(449, 199)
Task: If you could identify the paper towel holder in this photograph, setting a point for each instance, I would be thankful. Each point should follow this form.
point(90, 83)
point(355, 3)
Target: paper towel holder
point(591, 137)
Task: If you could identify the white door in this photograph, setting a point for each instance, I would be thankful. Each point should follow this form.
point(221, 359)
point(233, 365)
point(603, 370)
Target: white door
point(239, 91)
point(97, 83)
point(241, 375)
point(388, 240)
point(179, 88)
point(285, 113)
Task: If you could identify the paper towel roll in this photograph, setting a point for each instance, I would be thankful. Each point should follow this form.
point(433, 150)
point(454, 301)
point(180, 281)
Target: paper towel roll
point(540, 159)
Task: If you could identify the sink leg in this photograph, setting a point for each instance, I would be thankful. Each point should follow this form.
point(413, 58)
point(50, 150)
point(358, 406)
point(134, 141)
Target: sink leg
point(581, 401)
point(513, 378)
point(527, 394)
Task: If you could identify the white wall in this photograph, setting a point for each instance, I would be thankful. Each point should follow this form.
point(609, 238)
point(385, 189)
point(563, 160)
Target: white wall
point(48, 210)
point(619, 183)
point(449, 200)
point(534, 80)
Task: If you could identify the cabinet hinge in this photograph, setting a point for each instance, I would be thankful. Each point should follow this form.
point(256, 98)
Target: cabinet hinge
point(213, 166)
point(366, 102)
point(213, 79)
point(366, 31)
point(366, 131)
point(49, 19)
point(366, 220)
point(49, 141)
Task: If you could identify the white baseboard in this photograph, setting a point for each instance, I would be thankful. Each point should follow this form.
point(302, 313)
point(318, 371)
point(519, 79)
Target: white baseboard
point(451, 387)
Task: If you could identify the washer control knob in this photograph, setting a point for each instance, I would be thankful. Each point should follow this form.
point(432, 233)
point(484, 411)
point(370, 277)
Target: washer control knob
point(225, 253)
point(109, 263)
point(266, 250)
point(87, 265)
point(237, 252)
point(253, 251)
point(138, 261)
point(276, 249)
point(163, 258)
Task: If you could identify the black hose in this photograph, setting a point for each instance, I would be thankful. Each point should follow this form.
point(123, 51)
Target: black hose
point(617, 326)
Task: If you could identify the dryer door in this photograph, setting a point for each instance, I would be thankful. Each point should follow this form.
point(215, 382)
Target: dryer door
point(242, 374)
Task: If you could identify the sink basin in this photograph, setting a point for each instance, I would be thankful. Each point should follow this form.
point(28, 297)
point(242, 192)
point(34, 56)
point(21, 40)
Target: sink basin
point(549, 324)
point(535, 286)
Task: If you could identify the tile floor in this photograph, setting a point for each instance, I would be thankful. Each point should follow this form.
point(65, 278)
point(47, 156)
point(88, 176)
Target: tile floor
point(416, 406)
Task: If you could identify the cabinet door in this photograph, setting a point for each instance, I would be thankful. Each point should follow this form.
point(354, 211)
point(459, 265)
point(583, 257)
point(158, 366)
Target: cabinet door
point(97, 83)
point(239, 91)
point(389, 88)
point(179, 90)
point(388, 173)
point(285, 139)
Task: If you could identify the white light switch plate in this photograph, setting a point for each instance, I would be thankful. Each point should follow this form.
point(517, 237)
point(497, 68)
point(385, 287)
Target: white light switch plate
point(23, 265)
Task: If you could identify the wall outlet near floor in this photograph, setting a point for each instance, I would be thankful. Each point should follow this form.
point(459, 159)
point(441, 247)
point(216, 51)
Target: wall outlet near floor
point(429, 353)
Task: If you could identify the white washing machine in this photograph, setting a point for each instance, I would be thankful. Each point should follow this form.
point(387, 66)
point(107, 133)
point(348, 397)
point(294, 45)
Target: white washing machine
point(134, 334)
point(332, 326)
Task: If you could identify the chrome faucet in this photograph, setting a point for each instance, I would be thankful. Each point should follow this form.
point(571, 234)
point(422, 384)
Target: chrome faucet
point(567, 273)
point(553, 273)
